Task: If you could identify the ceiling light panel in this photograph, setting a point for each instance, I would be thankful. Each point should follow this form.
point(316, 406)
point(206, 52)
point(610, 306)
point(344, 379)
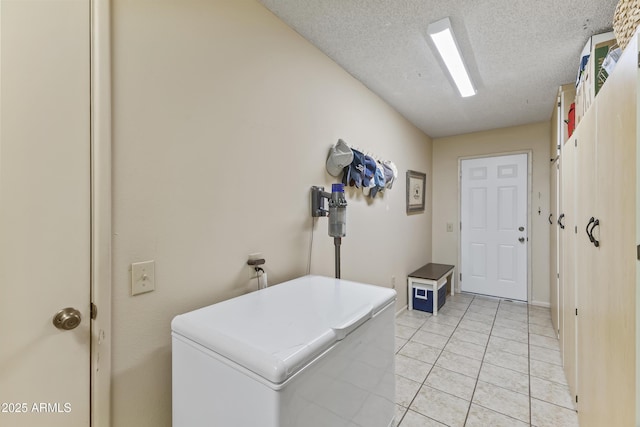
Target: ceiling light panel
point(442, 36)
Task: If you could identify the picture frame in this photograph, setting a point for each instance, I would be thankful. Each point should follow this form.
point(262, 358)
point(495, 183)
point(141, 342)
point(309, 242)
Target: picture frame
point(416, 189)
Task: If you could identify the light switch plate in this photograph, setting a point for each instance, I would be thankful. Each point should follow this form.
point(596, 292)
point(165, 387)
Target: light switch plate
point(143, 277)
point(449, 227)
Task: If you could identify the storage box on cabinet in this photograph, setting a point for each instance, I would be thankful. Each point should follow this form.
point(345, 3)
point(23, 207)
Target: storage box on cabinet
point(588, 83)
point(423, 296)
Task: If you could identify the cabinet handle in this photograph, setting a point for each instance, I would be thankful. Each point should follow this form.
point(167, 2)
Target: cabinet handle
point(596, 223)
point(560, 218)
point(589, 235)
point(550, 216)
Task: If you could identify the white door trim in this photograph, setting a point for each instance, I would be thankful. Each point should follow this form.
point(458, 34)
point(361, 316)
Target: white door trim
point(530, 233)
point(101, 213)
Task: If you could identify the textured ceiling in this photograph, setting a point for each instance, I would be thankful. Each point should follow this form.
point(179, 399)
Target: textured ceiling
point(518, 53)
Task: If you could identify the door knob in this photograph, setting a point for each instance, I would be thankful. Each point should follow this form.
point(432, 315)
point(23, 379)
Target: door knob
point(67, 319)
point(521, 239)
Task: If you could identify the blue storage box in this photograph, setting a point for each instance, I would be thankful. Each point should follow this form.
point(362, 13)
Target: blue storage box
point(423, 297)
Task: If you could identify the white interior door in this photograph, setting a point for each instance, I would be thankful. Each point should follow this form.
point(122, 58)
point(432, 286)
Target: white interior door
point(494, 226)
point(44, 212)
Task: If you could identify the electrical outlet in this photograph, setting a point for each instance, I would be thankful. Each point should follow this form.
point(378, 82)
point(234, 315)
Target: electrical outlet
point(449, 227)
point(143, 277)
point(255, 256)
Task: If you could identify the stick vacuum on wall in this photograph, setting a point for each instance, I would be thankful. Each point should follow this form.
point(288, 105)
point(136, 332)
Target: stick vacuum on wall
point(337, 214)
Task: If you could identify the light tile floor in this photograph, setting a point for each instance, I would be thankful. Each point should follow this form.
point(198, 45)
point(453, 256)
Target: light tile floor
point(481, 362)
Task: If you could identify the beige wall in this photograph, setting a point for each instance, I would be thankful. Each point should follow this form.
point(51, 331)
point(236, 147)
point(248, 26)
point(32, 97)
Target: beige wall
point(447, 152)
point(223, 117)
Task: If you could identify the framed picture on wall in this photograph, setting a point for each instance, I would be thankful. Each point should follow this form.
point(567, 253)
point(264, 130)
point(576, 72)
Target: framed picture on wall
point(416, 188)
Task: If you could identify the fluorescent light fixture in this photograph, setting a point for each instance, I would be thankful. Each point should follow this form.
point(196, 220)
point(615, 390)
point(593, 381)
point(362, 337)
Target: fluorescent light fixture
point(442, 36)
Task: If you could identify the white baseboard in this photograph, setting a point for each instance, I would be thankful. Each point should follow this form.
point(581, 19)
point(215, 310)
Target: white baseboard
point(541, 304)
point(401, 310)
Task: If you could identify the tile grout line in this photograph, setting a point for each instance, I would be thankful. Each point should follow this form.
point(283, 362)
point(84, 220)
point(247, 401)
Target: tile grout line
point(458, 328)
point(396, 354)
point(426, 376)
point(432, 365)
point(481, 363)
point(554, 404)
point(535, 376)
point(434, 362)
point(505, 415)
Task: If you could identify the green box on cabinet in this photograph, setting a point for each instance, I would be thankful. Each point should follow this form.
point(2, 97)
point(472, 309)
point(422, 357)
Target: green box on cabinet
point(600, 52)
point(588, 84)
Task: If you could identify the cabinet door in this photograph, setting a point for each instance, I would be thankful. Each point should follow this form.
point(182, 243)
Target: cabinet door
point(568, 333)
point(586, 284)
point(553, 253)
point(607, 396)
point(561, 189)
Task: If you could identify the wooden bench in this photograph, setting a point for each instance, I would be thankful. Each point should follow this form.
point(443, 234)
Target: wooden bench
point(434, 275)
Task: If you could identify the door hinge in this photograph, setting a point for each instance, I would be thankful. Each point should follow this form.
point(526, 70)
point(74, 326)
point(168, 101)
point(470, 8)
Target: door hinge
point(638, 254)
point(638, 59)
point(559, 104)
point(576, 229)
point(576, 311)
point(575, 142)
point(461, 277)
point(94, 311)
point(558, 275)
point(576, 398)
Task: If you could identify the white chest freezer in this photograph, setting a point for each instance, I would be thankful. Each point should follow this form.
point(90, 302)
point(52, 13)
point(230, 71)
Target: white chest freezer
point(311, 352)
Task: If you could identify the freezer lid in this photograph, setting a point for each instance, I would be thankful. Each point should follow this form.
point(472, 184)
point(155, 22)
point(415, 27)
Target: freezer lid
point(277, 331)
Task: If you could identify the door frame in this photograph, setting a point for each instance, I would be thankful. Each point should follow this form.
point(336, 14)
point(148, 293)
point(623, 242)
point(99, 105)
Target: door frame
point(529, 154)
point(100, 54)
